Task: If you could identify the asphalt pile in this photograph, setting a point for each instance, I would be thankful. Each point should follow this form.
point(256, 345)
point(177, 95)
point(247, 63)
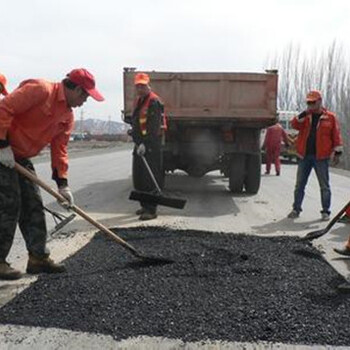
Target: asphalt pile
point(220, 287)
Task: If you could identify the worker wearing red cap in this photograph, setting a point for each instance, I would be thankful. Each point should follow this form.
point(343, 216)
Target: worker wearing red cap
point(147, 123)
point(3, 82)
point(36, 114)
point(318, 141)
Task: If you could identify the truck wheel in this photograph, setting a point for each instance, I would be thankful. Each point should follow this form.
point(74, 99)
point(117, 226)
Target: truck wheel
point(253, 173)
point(237, 170)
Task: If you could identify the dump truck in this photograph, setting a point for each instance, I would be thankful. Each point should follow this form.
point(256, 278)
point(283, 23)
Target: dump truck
point(214, 121)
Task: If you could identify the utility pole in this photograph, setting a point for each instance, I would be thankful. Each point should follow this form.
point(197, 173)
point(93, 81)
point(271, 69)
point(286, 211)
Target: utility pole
point(109, 125)
point(82, 121)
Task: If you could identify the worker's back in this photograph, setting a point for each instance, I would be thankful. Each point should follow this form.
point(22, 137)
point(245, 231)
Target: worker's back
point(275, 135)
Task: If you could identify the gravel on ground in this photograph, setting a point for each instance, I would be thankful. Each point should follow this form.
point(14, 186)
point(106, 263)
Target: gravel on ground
point(220, 287)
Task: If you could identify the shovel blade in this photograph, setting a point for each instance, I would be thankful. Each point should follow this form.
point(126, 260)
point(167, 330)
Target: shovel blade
point(314, 234)
point(157, 199)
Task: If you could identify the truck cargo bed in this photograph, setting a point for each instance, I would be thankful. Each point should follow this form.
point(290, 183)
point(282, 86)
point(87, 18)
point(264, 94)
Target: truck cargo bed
point(243, 98)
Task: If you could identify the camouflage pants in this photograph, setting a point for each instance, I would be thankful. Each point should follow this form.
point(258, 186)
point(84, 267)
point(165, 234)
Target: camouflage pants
point(20, 202)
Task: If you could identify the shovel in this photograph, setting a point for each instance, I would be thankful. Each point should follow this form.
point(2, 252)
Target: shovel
point(60, 220)
point(159, 198)
point(319, 233)
point(147, 259)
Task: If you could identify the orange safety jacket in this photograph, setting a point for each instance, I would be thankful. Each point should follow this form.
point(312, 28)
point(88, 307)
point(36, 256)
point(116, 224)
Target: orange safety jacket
point(143, 113)
point(328, 137)
point(34, 115)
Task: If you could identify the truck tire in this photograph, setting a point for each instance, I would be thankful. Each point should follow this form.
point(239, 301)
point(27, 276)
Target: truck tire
point(253, 173)
point(237, 171)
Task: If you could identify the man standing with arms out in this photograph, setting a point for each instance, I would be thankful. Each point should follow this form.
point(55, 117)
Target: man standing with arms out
point(34, 115)
point(147, 121)
point(318, 140)
point(3, 83)
point(275, 134)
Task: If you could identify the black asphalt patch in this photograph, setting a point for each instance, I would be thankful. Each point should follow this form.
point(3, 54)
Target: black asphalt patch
point(220, 287)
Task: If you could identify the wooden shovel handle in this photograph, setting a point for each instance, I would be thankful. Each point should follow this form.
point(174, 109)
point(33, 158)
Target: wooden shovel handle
point(31, 176)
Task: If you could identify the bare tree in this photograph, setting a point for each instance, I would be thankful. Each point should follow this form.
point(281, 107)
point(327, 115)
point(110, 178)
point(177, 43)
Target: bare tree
point(325, 70)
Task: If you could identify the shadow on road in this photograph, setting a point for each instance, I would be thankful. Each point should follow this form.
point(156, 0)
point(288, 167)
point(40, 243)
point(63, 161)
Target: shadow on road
point(287, 224)
point(202, 195)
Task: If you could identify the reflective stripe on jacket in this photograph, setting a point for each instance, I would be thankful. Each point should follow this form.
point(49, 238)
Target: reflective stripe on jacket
point(35, 115)
point(144, 110)
point(328, 137)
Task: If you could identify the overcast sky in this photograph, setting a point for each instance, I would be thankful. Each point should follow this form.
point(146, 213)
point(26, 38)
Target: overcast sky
point(48, 38)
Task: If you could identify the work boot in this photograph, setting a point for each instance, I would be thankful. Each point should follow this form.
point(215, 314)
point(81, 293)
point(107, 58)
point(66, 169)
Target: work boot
point(43, 265)
point(9, 273)
point(147, 216)
point(342, 251)
point(293, 214)
point(325, 216)
point(140, 211)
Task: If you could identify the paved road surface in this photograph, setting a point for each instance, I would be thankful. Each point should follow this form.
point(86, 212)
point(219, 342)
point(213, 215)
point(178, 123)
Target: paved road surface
point(102, 183)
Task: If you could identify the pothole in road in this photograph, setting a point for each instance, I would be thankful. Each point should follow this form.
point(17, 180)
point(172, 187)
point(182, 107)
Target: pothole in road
point(220, 287)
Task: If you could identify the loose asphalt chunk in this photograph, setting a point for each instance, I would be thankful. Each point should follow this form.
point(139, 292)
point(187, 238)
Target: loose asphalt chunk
point(220, 287)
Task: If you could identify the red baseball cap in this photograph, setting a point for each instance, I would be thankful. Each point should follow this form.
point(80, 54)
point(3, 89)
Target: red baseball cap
point(313, 96)
point(86, 80)
point(3, 82)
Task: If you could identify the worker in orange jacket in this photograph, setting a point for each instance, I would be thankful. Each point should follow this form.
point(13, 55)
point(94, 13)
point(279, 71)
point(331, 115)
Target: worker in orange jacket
point(274, 136)
point(319, 141)
point(34, 115)
point(148, 122)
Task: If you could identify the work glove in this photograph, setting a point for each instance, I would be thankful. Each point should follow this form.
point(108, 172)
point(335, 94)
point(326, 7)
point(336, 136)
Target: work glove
point(141, 149)
point(6, 157)
point(65, 192)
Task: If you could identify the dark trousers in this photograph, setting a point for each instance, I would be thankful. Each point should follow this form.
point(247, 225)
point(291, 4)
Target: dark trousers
point(21, 202)
point(321, 167)
point(141, 178)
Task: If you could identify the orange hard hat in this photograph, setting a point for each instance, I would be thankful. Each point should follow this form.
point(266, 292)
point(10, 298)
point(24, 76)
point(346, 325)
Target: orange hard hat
point(3, 82)
point(141, 78)
point(313, 96)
